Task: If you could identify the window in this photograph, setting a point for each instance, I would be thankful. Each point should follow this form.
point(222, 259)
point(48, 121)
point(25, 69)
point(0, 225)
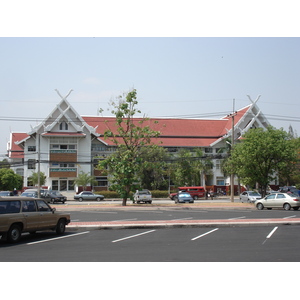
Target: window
point(208, 150)
point(28, 206)
point(31, 148)
point(31, 164)
point(42, 206)
point(9, 207)
point(63, 126)
point(101, 181)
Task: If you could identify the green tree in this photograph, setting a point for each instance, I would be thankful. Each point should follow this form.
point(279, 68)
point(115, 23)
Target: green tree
point(153, 173)
point(129, 136)
point(189, 166)
point(260, 156)
point(9, 180)
point(84, 179)
point(34, 178)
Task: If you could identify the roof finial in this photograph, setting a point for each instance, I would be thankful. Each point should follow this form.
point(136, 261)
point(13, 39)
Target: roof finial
point(63, 98)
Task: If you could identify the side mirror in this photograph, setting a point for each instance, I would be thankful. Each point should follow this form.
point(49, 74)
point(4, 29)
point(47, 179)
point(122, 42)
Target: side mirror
point(53, 210)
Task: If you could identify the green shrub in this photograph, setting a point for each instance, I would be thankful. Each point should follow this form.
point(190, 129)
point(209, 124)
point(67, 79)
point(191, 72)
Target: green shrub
point(114, 195)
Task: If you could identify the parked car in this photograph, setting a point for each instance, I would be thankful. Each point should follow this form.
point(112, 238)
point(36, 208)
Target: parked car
point(54, 196)
point(184, 197)
point(143, 196)
point(6, 193)
point(279, 200)
point(195, 191)
point(88, 196)
point(21, 214)
point(250, 196)
point(289, 189)
point(30, 193)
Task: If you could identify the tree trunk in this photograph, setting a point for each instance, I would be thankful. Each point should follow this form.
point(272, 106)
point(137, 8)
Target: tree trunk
point(124, 201)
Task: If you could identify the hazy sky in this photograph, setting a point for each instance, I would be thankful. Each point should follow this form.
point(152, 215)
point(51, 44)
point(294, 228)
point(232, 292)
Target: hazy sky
point(174, 77)
point(186, 59)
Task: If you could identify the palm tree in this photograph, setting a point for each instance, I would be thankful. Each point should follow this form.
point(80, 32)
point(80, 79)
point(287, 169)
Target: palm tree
point(34, 178)
point(84, 179)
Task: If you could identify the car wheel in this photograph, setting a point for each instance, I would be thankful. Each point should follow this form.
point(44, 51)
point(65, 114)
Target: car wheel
point(61, 226)
point(195, 197)
point(149, 202)
point(80, 199)
point(259, 206)
point(286, 206)
point(98, 198)
point(52, 201)
point(14, 234)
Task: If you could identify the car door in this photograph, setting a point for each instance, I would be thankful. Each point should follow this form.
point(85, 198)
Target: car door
point(269, 201)
point(280, 199)
point(31, 215)
point(47, 218)
point(244, 196)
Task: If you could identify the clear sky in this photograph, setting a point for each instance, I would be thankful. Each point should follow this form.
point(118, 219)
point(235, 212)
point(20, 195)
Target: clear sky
point(196, 76)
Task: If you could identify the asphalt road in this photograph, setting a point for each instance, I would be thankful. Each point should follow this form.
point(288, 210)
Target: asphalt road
point(185, 213)
point(230, 244)
point(213, 244)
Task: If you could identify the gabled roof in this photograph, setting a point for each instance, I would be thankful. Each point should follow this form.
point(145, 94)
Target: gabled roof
point(15, 150)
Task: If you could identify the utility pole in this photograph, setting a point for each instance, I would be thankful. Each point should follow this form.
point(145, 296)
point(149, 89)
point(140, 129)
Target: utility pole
point(39, 165)
point(231, 148)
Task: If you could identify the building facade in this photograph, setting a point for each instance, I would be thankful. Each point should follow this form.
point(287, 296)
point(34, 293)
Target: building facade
point(66, 143)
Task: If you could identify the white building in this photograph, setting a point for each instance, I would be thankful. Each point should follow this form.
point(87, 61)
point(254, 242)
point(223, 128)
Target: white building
point(65, 143)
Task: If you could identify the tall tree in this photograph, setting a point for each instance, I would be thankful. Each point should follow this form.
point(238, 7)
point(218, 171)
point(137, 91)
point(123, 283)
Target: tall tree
point(129, 136)
point(261, 155)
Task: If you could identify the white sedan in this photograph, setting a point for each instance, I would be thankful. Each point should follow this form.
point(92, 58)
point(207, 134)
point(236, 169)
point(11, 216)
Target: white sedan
point(250, 196)
point(279, 200)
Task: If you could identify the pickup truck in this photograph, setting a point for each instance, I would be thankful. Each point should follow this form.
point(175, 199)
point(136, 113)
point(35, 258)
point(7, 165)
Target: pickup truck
point(23, 214)
point(143, 196)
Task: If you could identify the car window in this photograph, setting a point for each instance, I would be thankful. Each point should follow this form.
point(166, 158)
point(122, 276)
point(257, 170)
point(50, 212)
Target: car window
point(271, 197)
point(280, 196)
point(42, 206)
point(10, 207)
point(254, 194)
point(28, 206)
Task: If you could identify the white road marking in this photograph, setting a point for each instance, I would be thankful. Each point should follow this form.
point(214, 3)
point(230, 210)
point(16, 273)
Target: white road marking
point(237, 218)
point(271, 233)
point(124, 220)
point(183, 219)
point(197, 237)
point(290, 217)
point(132, 236)
point(57, 238)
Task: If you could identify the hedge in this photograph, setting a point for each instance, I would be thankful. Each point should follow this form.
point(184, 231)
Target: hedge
point(115, 195)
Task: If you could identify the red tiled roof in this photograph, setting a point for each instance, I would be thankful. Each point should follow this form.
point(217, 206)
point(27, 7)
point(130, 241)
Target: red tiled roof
point(15, 150)
point(175, 132)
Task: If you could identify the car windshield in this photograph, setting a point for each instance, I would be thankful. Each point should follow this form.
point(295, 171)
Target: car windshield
point(183, 195)
point(144, 192)
point(254, 194)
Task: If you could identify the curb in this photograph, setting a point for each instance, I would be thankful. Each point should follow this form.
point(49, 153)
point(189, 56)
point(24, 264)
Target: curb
point(178, 224)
